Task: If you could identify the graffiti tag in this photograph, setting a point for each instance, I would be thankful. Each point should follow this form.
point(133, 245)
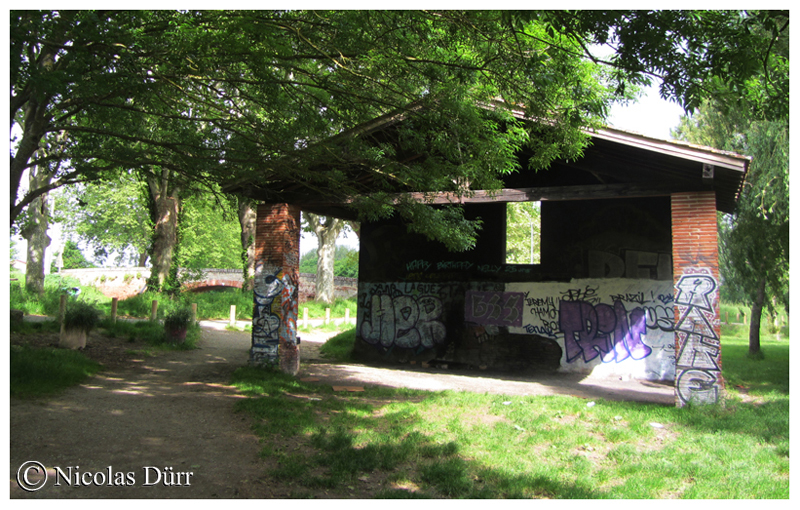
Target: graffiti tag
point(494, 308)
point(698, 373)
point(602, 330)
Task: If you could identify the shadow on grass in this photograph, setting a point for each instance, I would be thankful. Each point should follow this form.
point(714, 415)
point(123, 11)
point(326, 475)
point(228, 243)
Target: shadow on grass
point(345, 437)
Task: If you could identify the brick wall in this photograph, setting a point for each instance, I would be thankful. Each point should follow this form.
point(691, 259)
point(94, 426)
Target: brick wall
point(276, 287)
point(698, 374)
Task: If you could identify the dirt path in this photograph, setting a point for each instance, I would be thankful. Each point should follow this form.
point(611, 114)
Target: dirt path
point(174, 412)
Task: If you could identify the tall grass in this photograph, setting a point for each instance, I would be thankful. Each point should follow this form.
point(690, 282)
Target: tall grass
point(465, 445)
point(48, 302)
point(340, 347)
point(210, 305)
point(317, 310)
point(40, 372)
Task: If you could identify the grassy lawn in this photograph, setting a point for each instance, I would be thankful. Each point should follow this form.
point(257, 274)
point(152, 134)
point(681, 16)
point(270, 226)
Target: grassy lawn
point(401, 443)
point(45, 371)
point(42, 372)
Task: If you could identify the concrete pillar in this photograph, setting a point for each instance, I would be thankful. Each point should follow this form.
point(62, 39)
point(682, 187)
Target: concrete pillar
point(698, 362)
point(275, 293)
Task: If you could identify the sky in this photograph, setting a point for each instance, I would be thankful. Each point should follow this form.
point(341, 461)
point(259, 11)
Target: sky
point(649, 116)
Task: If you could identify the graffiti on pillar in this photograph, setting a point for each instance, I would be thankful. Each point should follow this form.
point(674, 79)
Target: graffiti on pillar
point(274, 313)
point(698, 372)
point(494, 308)
point(406, 315)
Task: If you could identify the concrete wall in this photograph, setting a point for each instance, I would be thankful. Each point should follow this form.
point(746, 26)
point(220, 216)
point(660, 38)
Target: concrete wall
point(600, 301)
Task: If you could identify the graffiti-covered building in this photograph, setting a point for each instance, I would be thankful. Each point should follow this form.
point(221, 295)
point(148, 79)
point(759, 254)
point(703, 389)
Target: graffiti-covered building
point(610, 268)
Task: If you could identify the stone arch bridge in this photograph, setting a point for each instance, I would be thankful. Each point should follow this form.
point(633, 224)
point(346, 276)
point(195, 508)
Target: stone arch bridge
point(125, 282)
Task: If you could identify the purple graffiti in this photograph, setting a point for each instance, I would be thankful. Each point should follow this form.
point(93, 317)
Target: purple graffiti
point(494, 308)
point(601, 330)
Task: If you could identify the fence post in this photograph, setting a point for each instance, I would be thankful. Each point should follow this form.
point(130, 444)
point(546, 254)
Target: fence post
point(154, 311)
point(114, 302)
point(347, 316)
point(744, 316)
point(305, 317)
point(194, 313)
point(327, 315)
point(232, 322)
point(62, 307)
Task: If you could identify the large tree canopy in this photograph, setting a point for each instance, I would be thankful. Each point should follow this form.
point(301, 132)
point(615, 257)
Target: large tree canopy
point(252, 98)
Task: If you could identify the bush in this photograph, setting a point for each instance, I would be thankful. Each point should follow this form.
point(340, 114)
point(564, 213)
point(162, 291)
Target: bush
point(178, 319)
point(81, 315)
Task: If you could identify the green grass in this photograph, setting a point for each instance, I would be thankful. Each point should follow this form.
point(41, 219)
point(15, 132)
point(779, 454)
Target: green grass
point(465, 445)
point(42, 372)
point(316, 310)
point(150, 332)
point(340, 347)
point(213, 305)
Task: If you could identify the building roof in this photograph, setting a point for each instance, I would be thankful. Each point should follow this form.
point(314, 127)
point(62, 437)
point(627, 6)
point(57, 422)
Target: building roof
point(616, 163)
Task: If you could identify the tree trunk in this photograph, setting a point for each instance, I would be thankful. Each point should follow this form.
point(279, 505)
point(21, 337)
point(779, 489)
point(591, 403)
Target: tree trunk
point(327, 230)
point(755, 318)
point(247, 221)
point(166, 207)
point(35, 232)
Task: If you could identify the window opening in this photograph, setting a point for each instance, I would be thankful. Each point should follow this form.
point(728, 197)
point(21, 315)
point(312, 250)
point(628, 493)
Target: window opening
point(523, 232)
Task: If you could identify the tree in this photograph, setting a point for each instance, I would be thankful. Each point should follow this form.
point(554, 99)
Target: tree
point(109, 216)
point(753, 118)
point(213, 95)
point(523, 233)
point(247, 228)
point(739, 59)
point(754, 241)
point(73, 257)
point(327, 229)
point(345, 262)
point(210, 234)
point(34, 231)
point(267, 102)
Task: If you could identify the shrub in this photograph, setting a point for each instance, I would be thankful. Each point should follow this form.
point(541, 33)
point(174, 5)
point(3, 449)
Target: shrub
point(179, 318)
point(81, 315)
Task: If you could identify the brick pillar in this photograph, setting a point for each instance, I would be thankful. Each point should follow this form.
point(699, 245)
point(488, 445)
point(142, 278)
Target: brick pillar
point(277, 278)
point(698, 362)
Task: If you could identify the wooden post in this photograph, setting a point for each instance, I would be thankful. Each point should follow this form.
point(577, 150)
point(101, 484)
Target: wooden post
point(62, 308)
point(727, 319)
point(154, 311)
point(114, 302)
point(327, 315)
point(194, 313)
point(347, 316)
point(744, 317)
point(305, 317)
point(233, 315)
